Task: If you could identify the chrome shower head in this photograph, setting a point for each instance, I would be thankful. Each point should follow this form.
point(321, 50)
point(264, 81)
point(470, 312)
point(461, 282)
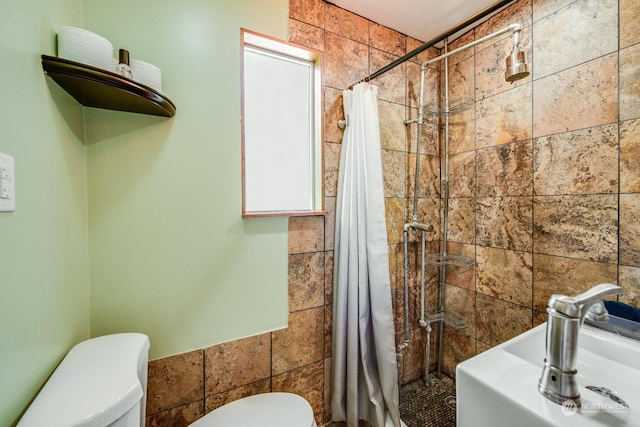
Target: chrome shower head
point(517, 67)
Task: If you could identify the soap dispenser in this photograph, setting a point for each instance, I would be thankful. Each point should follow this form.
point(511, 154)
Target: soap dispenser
point(123, 68)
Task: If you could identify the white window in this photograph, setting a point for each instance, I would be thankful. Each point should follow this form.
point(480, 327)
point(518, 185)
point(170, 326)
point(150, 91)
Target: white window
point(282, 123)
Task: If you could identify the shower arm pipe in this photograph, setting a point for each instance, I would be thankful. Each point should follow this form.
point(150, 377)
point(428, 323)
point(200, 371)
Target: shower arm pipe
point(461, 26)
point(506, 30)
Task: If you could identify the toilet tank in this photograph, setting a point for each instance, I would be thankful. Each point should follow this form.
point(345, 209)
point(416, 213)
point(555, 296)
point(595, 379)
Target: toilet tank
point(101, 382)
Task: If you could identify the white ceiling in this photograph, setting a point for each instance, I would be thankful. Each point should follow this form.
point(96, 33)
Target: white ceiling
point(420, 19)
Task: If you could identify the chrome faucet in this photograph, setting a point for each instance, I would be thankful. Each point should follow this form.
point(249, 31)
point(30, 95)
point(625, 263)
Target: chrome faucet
point(565, 316)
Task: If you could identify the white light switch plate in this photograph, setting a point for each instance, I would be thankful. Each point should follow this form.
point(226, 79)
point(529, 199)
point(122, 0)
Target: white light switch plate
point(7, 183)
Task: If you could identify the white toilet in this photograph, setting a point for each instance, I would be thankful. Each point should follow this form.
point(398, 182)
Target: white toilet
point(102, 382)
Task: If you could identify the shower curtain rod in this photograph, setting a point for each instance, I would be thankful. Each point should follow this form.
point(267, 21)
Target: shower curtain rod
point(432, 42)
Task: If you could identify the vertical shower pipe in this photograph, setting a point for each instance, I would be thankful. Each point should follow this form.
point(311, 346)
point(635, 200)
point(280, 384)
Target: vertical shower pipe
point(445, 225)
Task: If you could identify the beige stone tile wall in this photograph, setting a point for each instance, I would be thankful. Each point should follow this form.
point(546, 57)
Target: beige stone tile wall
point(557, 168)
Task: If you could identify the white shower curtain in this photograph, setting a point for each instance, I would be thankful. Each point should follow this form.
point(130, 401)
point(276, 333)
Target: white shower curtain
point(364, 373)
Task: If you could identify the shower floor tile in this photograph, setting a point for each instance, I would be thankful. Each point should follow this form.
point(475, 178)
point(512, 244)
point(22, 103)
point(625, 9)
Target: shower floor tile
point(424, 406)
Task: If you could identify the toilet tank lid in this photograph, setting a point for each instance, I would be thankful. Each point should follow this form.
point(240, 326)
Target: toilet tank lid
point(95, 384)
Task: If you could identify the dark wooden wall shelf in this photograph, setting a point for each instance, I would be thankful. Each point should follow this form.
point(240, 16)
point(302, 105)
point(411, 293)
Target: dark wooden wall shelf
point(95, 87)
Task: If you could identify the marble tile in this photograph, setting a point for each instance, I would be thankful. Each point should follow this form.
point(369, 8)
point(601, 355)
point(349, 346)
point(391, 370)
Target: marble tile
point(328, 277)
point(306, 381)
point(630, 229)
point(396, 270)
point(386, 39)
point(429, 136)
point(630, 281)
point(395, 218)
point(413, 356)
point(539, 317)
point(309, 11)
point(462, 113)
point(544, 8)
point(462, 221)
point(429, 179)
point(519, 12)
point(392, 84)
point(327, 385)
point(574, 35)
point(397, 300)
point(498, 321)
point(333, 113)
point(423, 56)
point(431, 85)
point(345, 61)
point(481, 347)
point(329, 223)
point(584, 227)
point(219, 399)
point(306, 234)
point(505, 170)
point(299, 344)
point(629, 23)
point(306, 35)
point(630, 156)
point(328, 330)
point(181, 416)
point(306, 281)
point(490, 66)
point(346, 24)
point(414, 304)
point(504, 118)
point(429, 211)
point(580, 97)
point(462, 174)
point(462, 277)
point(579, 162)
point(392, 129)
point(504, 274)
point(175, 381)
point(458, 347)
point(630, 83)
point(462, 302)
point(462, 131)
point(504, 222)
point(413, 88)
point(237, 363)
point(461, 82)
point(394, 172)
point(331, 158)
point(567, 276)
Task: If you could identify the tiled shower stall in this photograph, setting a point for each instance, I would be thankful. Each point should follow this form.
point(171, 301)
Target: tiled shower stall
point(544, 193)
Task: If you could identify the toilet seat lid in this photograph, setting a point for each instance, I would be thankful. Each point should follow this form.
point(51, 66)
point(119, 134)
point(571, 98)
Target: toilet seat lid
point(263, 410)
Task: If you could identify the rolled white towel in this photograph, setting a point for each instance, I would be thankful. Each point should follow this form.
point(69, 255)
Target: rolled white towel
point(80, 45)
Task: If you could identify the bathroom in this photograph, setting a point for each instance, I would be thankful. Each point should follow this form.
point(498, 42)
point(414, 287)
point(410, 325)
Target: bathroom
point(127, 222)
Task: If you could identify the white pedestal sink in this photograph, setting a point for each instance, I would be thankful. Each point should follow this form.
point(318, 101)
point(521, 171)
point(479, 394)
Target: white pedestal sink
point(500, 386)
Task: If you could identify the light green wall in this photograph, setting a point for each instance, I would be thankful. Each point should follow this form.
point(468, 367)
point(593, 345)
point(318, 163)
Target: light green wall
point(44, 308)
point(139, 228)
point(170, 254)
